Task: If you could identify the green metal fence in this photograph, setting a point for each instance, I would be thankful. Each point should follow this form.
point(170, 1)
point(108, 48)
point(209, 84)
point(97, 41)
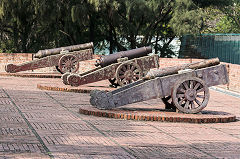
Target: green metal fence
point(224, 46)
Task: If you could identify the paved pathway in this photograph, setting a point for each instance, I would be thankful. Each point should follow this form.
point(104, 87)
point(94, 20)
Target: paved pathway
point(44, 124)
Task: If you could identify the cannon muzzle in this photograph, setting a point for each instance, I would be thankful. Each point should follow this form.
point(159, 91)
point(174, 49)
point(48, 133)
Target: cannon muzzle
point(130, 54)
point(48, 52)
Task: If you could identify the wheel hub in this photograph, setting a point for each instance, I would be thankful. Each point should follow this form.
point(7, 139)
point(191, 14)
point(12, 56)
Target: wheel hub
point(128, 75)
point(190, 94)
point(68, 64)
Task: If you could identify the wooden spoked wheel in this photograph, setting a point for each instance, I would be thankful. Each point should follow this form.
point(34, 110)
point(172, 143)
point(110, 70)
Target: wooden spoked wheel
point(64, 78)
point(68, 63)
point(190, 95)
point(128, 72)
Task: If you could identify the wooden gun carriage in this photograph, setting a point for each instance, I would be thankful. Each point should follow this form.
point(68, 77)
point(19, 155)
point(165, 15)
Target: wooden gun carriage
point(188, 89)
point(120, 68)
point(65, 59)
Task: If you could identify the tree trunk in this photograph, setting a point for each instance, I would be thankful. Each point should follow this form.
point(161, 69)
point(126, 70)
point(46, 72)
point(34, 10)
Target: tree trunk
point(91, 28)
point(110, 39)
point(156, 44)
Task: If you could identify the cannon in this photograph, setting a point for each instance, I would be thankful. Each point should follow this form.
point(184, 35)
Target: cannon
point(65, 59)
point(130, 54)
point(183, 87)
point(49, 52)
point(120, 68)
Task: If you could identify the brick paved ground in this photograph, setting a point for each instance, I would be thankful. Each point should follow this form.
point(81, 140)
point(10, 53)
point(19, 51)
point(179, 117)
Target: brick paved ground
point(46, 124)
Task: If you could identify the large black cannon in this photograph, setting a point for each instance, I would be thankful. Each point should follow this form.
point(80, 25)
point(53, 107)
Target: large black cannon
point(120, 68)
point(65, 59)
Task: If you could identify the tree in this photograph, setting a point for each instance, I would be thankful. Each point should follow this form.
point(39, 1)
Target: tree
point(135, 23)
point(55, 17)
point(17, 25)
point(192, 16)
point(128, 24)
point(31, 25)
point(230, 21)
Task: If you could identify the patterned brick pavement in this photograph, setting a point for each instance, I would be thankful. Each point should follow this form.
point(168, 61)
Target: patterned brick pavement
point(46, 124)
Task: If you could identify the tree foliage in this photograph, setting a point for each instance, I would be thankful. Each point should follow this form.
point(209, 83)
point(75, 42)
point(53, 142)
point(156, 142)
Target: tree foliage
point(17, 20)
point(230, 21)
point(30, 25)
point(223, 18)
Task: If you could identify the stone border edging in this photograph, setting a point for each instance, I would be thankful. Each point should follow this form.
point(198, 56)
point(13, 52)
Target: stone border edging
point(32, 75)
point(225, 91)
point(165, 117)
point(51, 88)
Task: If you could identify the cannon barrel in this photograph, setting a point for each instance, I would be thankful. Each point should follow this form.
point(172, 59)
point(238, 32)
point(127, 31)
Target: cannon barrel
point(130, 54)
point(174, 70)
point(48, 52)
